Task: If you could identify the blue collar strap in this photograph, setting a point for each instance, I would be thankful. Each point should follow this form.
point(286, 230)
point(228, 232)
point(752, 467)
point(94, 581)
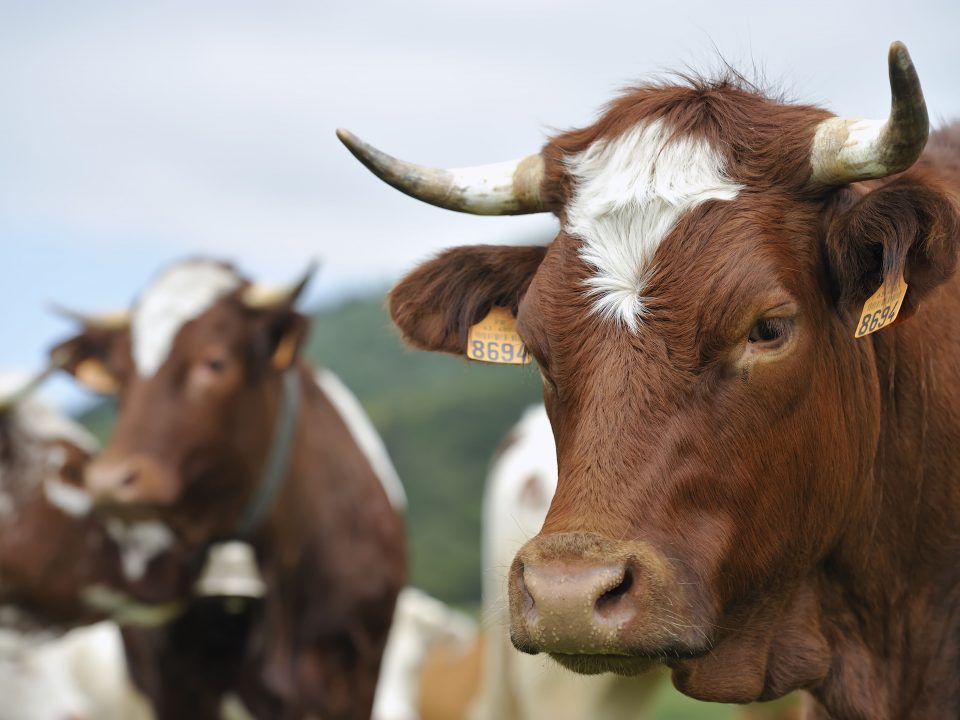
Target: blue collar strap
point(278, 462)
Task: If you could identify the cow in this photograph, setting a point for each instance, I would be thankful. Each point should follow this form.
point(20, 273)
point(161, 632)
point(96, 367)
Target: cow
point(422, 626)
point(266, 481)
point(52, 553)
point(748, 493)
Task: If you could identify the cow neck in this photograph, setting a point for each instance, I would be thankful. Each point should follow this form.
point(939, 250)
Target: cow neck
point(894, 584)
point(278, 460)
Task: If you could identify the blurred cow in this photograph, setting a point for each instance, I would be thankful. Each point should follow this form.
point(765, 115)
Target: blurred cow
point(422, 625)
point(223, 434)
point(51, 550)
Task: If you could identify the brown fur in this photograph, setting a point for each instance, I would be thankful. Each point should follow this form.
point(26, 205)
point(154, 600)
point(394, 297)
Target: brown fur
point(449, 681)
point(331, 548)
point(801, 494)
point(46, 556)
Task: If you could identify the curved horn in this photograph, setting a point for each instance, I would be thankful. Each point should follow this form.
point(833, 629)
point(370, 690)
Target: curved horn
point(113, 320)
point(850, 149)
point(258, 296)
point(27, 387)
point(507, 188)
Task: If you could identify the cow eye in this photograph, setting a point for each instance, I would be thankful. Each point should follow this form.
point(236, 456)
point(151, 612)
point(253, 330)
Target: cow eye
point(216, 364)
point(769, 331)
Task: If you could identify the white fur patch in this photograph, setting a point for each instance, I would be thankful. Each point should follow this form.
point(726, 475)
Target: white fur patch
point(180, 294)
point(42, 421)
point(139, 543)
point(630, 193)
point(71, 500)
point(365, 434)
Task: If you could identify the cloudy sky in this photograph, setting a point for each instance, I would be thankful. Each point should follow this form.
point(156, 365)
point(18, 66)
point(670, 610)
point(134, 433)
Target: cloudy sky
point(132, 134)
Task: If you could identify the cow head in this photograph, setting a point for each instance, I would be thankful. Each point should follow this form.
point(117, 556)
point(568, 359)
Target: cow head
point(716, 421)
point(196, 366)
point(50, 548)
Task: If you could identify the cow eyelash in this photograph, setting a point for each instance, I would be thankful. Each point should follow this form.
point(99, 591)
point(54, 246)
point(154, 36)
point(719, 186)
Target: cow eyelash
point(770, 331)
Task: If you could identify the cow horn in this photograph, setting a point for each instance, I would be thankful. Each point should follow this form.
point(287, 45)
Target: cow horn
point(507, 188)
point(112, 320)
point(846, 150)
point(28, 386)
point(258, 296)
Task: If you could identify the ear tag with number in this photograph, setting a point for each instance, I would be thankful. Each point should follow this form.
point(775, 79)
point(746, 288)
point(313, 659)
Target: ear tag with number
point(881, 308)
point(495, 340)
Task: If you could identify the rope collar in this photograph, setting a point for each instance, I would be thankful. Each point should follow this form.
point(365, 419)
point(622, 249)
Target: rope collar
point(278, 461)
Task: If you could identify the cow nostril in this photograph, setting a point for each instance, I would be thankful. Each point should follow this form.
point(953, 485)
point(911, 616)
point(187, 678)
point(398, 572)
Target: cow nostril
point(527, 602)
point(610, 600)
point(129, 478)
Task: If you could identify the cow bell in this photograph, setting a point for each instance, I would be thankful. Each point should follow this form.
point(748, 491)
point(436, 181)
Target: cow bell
point(231, 572)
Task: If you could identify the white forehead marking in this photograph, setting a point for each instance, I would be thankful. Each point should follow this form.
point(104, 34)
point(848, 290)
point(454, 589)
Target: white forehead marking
point(139, 543)
point(180, 294)
point(630, 193)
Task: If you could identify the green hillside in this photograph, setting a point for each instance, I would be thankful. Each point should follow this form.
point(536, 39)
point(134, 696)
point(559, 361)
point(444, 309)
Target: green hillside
point(441, 419)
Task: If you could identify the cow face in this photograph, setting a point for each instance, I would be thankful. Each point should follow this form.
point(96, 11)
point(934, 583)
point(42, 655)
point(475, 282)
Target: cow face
point(197, 372)
point(716, 421)
point(50, 548)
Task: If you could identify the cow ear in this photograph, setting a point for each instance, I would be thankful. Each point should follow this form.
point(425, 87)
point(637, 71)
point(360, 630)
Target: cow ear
point(436, 304)
point(286, 332)
point(910, 227)
point(91, 357)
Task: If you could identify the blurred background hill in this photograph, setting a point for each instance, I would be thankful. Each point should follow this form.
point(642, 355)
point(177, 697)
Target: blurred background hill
point(441, 418)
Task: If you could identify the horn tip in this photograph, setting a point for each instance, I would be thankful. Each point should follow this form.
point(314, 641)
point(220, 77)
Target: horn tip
point(347, 138)
point(899, 55)
point(55, 308)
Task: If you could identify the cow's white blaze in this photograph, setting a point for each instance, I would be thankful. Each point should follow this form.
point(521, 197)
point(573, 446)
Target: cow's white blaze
point(630, 193)
point(180, 294)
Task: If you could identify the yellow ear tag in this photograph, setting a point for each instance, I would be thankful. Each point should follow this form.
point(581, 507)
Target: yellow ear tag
point(881, 308)
point(495, 340)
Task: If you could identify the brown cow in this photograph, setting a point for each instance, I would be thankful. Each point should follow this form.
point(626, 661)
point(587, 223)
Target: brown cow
point(58, 566)
point(747, 492)
point(222, 434)
point(58, 569)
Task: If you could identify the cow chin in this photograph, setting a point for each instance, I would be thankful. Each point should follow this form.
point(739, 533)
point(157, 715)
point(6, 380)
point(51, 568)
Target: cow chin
point(597, 664)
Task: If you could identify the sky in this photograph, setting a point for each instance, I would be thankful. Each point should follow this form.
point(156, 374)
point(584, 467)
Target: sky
point(135, 134)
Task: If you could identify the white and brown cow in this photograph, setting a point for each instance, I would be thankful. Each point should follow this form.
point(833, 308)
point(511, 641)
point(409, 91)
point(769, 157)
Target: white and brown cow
point(224, 434)
point(748, 493)
point(53, 553)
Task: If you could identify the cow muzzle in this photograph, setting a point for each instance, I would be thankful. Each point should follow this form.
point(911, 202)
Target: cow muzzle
point(134, 479)
point(593, 603)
